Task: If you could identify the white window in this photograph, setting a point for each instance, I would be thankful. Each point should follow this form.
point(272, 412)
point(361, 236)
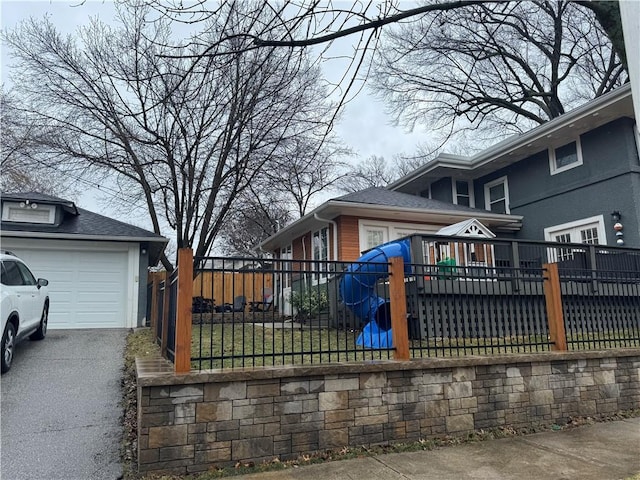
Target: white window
point(320, 253)
point(463, 193)
point(286, 256)
point(565, 157)
point(375, 236)
point(28, 212)
point(496, 196)
point(588, 230)
point(373, 233)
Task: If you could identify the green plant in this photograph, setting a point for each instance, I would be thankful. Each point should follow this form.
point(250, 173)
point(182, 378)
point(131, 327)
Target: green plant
point(309, 302)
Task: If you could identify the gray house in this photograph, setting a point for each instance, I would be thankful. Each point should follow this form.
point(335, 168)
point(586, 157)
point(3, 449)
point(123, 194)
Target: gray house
point(96, 266)
point(571, 179)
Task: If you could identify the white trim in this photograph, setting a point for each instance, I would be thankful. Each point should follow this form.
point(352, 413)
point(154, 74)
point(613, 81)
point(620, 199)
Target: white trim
point(79, 237)
point(454, 188)
point(553, 168)
point(618, 99)
point(487, 197)
point(395, 230)
point(549, 232)
point(320, 276)
point(637, 132)
point(7, 207)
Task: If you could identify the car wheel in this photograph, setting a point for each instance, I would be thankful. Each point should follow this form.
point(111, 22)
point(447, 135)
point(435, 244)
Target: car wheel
point(8, 344)
point(41, 332)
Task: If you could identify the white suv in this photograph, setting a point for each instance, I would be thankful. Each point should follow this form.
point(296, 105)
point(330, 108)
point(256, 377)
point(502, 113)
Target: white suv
point(24, 304)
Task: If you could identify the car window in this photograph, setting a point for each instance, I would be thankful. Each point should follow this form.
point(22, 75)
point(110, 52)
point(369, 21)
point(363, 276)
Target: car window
point(27, 276)
point(11, 274)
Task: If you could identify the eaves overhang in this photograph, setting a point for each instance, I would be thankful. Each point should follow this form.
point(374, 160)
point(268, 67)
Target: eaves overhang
point(335, 208)
point(156, 244)
point(554, 133)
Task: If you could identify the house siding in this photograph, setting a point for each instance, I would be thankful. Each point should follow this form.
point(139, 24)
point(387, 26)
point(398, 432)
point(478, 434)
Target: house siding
point(348, 238)
point(608, 179)
point(441, 190)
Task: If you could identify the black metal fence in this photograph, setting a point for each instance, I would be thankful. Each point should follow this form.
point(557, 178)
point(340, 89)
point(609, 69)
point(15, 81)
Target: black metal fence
point(274, 312)
point(452, 310)
point(162, 292)
point(464, 296)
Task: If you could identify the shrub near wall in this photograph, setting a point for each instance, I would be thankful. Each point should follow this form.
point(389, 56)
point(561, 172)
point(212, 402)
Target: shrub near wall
point(189, 423)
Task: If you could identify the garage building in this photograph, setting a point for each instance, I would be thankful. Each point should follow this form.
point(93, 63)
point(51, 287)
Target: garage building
point(96, 266)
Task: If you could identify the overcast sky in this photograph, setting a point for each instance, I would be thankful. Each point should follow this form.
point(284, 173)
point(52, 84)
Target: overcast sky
point(364, 127)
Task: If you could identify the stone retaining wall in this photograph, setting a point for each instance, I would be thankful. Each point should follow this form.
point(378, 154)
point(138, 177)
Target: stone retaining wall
point(189, 423)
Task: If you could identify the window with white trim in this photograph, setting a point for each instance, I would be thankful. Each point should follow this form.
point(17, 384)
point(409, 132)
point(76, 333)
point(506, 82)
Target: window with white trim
point(373, 233)
point(565, 157)
point(375, 236)
point(496, 195)
point(28, 212)
point(286, 255)
point(463, 193)
point(587, 230)
point(320, 253)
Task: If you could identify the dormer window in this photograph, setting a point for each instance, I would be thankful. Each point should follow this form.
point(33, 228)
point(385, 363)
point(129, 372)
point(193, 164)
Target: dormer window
point(28, 212)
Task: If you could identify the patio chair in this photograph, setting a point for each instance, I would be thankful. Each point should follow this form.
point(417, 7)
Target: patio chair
point(238, 305)
point(265, 305)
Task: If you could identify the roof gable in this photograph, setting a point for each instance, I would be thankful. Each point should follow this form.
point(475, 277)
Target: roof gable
point(77, 222)
point(467, 228)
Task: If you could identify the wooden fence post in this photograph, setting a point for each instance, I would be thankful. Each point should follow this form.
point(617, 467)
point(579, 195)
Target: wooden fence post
point(553, 298)
point(183, 311)
point(398, 299)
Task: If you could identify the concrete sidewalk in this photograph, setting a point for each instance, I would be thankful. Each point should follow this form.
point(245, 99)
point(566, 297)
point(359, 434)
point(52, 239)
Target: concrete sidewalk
point(608, 450)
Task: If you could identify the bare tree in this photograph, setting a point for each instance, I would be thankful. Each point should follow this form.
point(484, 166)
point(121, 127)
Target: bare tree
point(375, 171)
point(258, 213)
point(185, 131)
point(370, 172)
point(502, 67)
point(307, 167)
point(581, 62)
point(23, 168)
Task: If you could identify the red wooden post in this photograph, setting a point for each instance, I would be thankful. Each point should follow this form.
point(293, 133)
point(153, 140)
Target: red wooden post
point(398, 299)
point(553, 298)
point(183, 311)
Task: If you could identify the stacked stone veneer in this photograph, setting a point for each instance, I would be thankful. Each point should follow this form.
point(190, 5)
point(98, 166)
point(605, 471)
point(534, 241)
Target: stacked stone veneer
point(188, 423)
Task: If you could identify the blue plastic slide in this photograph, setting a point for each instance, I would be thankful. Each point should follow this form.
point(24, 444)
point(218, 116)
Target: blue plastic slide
point(357, 289)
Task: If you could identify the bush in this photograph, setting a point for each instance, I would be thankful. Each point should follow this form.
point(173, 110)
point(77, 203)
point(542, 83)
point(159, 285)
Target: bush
point(310, 302)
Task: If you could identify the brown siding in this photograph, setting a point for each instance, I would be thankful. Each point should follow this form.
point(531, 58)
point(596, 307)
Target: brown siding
point(348, 238)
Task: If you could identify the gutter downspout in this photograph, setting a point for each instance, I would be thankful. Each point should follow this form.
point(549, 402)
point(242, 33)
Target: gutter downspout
point(335, 234)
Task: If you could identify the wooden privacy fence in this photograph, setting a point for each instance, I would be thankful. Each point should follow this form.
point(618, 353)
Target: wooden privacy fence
point(181, 299)
point(223, 287)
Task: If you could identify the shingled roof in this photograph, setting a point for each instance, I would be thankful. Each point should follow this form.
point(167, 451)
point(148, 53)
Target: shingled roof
point(79, 223)
point(390, 198)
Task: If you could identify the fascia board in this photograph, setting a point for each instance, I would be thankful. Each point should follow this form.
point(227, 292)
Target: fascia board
point(70, 236)
point(299, 227)
point(515, 141)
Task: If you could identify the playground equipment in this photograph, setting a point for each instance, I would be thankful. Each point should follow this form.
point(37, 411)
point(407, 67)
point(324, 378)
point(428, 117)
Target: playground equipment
point(358, 291)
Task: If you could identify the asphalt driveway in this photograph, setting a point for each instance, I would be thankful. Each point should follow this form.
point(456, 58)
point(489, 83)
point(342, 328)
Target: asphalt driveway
point(61, 414)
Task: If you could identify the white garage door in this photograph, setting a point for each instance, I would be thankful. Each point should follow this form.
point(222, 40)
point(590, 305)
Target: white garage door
point(87, 289)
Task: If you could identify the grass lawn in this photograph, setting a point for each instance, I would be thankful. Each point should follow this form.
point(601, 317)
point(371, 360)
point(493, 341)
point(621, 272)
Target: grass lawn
point(248, 345)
